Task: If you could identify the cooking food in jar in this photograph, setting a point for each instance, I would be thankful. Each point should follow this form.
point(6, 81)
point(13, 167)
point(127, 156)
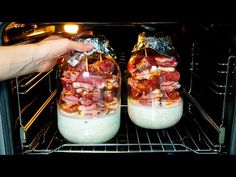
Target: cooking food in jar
point(154, 101)
point(89, 103)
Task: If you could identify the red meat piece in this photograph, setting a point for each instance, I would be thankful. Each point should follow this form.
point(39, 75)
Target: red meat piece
point(107, 66)
point(171, 76)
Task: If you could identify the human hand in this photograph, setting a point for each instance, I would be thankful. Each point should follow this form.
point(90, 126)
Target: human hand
point(48, 50)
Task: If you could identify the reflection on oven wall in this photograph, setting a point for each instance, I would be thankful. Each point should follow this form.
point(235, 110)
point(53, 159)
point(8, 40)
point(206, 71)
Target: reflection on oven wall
point(28, 117)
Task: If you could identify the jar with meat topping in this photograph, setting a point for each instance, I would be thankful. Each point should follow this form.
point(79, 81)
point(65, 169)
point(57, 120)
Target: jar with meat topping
point(88, 108)
point(154, 101)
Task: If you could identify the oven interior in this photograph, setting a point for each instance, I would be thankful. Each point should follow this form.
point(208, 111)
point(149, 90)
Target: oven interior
point(207, 60)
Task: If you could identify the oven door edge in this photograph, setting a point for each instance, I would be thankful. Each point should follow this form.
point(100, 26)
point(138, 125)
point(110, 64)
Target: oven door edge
point(6, 131)
point(6, 128)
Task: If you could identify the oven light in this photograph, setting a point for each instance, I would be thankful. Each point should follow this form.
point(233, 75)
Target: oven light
point(71, 28)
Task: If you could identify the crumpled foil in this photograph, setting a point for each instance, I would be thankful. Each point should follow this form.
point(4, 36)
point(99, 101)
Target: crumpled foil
point(161, 43)
point(100, 45)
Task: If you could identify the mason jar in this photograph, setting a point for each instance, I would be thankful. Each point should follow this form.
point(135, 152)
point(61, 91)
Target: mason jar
point(154, 100)
point(88, 107)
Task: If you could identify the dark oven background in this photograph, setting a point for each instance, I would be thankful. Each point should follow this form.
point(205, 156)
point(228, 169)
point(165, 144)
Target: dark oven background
point(207, 60)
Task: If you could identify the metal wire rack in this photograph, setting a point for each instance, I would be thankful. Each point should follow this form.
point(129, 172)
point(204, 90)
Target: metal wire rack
point(186, 136)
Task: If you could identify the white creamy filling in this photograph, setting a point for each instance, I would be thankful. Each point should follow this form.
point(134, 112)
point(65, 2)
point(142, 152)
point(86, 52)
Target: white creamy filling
point(88, 130)
point(154, 117)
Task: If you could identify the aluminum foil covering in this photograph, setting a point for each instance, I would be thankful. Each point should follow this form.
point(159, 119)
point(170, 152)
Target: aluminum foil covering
point(162, 44)
point(100, 45)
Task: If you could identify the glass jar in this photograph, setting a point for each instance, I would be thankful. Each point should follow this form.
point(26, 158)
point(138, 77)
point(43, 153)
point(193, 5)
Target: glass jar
point(88, 108)
point(154, 101)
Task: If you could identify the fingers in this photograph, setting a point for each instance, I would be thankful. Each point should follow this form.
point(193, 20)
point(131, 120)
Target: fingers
point(54, 46)
point(69, 44)
point(52, 37)
point(79, 46)
point(82, 46)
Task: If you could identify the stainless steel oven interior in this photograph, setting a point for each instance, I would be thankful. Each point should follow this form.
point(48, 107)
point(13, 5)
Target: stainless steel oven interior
point(207, 54)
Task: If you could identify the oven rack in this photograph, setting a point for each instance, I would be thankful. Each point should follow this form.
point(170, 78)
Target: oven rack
point(185, 136)
point(28, 84)
point(223, 72)
point(211, 84)
point(219, 74)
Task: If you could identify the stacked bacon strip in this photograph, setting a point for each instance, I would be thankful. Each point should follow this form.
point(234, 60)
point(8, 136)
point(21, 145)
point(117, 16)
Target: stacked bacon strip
point(90, 89)
point(153, 80)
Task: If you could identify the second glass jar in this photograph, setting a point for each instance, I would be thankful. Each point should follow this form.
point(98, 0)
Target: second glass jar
point(154, 101)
